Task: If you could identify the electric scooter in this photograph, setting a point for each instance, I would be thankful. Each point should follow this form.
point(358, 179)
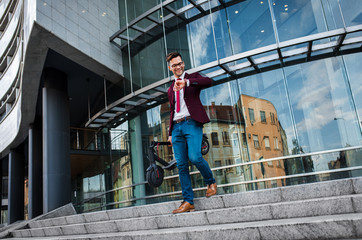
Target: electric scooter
point(155, 173)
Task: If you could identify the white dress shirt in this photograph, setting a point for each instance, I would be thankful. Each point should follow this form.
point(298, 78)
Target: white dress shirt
point(184, 112)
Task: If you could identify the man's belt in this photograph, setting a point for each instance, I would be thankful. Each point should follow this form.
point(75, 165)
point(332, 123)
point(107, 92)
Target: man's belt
point(182, 119)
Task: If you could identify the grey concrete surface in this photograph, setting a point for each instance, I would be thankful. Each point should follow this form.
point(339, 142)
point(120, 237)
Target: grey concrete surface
point(75, 219)
point(145, 223)
point(317, 190)
point(316, 230)
point(39, 232)
point(129, 212)
point(182, 220)
point(157, 209)
point(312, 211)
point(252, 198)
point(96, 216)
point(357, 203)
point(285, 210)
point(76, 229)
point(101, 227)
point(357, 185)
point(65, 210)
point(313, 207)
point(53, 231)
point(345, 226)
point(239, 214)
point(58, 221)
point(357, 223)
point(213, 202)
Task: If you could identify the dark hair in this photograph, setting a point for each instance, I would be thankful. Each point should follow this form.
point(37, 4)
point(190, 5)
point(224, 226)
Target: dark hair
point(172, 55)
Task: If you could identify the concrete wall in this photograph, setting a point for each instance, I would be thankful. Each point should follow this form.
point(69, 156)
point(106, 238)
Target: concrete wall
point(9, 127)
point(85, 25)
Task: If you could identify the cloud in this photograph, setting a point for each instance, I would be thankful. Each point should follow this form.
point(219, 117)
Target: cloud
point(222, 95)
point(200, 31)
point(153, 116)
point(322, 97)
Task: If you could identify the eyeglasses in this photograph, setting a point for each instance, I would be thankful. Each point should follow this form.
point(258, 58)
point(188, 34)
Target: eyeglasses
point(177, 65)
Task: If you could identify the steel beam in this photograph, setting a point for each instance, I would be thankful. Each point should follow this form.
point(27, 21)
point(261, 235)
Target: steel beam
point(271, 53)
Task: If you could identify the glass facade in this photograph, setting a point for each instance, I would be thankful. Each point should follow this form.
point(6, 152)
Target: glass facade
point(291, 125)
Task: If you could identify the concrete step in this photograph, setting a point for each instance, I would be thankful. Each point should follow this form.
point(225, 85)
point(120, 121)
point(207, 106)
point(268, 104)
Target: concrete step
point(285, 210)
point(340, 197)
point(269, 196)
point(65, 210)
point(345, 226)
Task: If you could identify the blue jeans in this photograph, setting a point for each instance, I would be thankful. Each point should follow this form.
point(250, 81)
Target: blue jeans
point(189, 132)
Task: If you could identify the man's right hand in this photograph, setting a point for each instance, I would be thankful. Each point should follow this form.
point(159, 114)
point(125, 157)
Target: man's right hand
point(169, 140)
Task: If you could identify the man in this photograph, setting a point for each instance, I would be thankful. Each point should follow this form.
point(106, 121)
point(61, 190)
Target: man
point(187, 116)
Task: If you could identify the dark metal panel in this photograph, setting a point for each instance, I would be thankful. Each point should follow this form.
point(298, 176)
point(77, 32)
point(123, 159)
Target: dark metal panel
point(56, 144)
point(16, 187)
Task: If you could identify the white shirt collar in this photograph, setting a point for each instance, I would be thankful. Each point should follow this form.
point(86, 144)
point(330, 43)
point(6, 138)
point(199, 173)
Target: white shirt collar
point(182, 76)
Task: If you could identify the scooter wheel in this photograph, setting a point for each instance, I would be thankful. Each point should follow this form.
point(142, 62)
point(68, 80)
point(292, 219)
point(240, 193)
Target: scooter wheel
point(155, 176)
point(205, 146)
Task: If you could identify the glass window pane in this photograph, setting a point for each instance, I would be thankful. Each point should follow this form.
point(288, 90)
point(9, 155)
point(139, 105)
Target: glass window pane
point(262, 117)
point(178, 40)
point(266, 92)
point(352, 12)
point(154, 55)
point(256, 141)
point(178, 4)
point(267, 143)
point(225, 131)
point(332, 14)
point(201, 41)
point(250, 25)
point(137, 7)
point(300, 18)
point(251, 115)
point(214, 138)
point(321, 101)
point(353, 69)
point(222, 34)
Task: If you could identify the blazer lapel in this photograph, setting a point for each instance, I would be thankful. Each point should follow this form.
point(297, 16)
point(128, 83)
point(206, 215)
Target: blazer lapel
point(172, 92)
point(185, 88)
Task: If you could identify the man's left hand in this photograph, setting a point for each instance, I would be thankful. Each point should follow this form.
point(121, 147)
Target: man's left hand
point(180, 84)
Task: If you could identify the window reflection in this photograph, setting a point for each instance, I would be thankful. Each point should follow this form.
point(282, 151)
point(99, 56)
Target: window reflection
point(121, 166)
point(259, 130)
point(250, 25)
point(315, 106)
point(306, 14)
point(352, 12)
point(353, 71)
point(201, 39)
point(324, 116)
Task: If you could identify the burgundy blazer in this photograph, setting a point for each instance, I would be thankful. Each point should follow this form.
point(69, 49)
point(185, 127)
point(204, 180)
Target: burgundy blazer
point(192, 98)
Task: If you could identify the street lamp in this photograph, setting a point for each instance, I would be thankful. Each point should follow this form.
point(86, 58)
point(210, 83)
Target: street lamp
point(345, 129)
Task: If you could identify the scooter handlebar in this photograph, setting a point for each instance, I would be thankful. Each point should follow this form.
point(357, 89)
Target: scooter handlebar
point(153, 144)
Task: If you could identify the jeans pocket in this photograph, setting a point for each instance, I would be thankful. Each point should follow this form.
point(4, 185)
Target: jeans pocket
point(194, 123)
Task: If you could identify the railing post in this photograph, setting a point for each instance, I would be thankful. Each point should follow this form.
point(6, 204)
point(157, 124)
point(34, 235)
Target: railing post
point(78, 147)
point(96, 140)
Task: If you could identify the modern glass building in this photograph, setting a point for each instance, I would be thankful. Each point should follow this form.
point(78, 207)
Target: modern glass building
point(83, 95)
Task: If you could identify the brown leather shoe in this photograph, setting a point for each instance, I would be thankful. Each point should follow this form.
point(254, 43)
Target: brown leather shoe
point(184, 207)
point(211, 190)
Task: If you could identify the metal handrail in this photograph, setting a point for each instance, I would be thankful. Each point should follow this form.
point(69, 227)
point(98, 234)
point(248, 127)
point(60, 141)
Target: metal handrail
point(229, 185)
point(95, 131)
point(243, 182)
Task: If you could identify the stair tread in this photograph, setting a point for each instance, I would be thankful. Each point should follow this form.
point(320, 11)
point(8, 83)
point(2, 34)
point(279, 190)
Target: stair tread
point(214, 211)
point(145, 234)
point(326, 210)
point(332, 188)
